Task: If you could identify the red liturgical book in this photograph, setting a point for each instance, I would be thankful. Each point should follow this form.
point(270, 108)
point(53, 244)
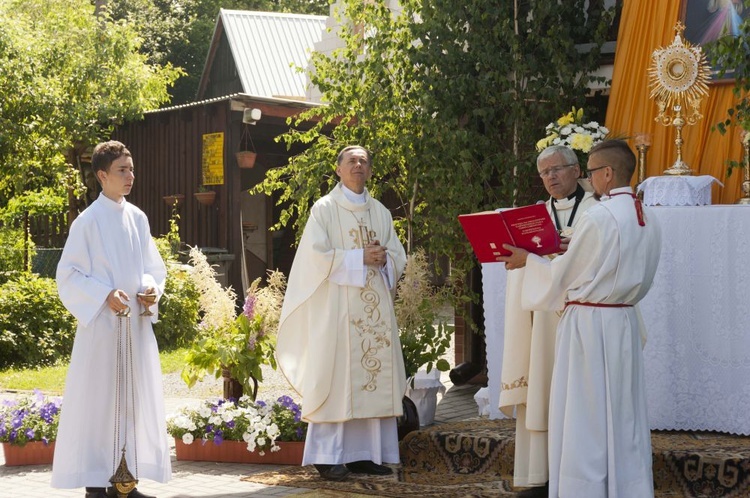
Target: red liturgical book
point(528, 227)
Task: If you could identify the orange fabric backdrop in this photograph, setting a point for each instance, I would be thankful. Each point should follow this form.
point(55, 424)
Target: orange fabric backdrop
point(644, 27)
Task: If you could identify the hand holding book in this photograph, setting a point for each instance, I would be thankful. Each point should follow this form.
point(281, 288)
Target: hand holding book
point(528, 227)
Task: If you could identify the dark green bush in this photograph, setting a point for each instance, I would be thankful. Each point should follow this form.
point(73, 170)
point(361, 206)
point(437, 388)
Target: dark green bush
point(178, 307)
point(35, 328)
point(12, 250)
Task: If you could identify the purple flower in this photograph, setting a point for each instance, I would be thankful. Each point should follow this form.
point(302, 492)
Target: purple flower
point(30, 433)
point(231, 424)
point(248, 309)
point(218, 437)
point(260, 404)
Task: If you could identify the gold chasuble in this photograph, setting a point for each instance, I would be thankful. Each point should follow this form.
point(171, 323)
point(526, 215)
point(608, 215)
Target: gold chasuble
point(338, 345)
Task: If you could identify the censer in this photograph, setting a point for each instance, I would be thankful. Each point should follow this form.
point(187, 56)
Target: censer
point(123, 481)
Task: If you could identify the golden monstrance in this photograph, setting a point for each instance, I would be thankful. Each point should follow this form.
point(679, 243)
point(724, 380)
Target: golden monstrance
point(678, 77)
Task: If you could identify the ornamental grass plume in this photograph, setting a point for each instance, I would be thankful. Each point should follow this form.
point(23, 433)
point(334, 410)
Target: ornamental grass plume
point(30, 418)
point(424, 336)
point(216, 303)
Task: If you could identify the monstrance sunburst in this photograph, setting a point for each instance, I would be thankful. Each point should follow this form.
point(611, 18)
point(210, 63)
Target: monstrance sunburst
point(678, 75)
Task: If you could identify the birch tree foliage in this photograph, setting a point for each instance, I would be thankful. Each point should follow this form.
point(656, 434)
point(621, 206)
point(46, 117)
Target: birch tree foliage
point(451, 99)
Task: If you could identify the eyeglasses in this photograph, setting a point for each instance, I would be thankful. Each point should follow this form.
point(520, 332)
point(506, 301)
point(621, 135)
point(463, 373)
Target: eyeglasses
point(555, 169)
point(588, 172)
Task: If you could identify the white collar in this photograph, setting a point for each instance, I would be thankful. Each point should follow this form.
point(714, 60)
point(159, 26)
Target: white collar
point(354, 197)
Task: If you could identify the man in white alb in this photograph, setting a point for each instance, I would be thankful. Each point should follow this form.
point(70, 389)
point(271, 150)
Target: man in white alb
point(599, 437)
point(108, 258)
point(338, 342)
point(529, 339)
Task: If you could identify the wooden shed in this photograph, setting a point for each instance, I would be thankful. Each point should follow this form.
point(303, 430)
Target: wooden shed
point(181, 151)
point(248, 89)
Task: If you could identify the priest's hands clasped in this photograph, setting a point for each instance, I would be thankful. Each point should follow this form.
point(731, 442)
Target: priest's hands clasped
point(517, 258)
point(375, 254)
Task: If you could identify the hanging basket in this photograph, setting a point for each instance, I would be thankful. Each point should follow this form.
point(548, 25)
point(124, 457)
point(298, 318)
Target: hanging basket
point(174, 200)
point(245, 158)
point(205, 198)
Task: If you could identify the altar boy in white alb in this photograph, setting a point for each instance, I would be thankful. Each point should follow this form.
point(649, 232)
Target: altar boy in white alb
point(338, 342)
point(599, 437)
point(108, 258)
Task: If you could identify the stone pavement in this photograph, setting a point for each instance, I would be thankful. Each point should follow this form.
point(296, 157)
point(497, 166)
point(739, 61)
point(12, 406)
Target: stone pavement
point(207, 479)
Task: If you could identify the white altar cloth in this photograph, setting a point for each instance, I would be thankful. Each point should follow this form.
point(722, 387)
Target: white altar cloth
point(677, 190)
point(697, 315)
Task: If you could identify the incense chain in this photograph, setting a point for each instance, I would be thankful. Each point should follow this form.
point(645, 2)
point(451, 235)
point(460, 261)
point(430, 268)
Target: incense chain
point(118, 382)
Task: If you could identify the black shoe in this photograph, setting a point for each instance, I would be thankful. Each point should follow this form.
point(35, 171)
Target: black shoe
point(96, 493)
point(332, 472)
point(535, 492)
point(369, 467)
point(112, 493)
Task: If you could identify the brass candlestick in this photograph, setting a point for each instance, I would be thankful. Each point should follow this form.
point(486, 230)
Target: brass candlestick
point(642, 144)
point(745, 137)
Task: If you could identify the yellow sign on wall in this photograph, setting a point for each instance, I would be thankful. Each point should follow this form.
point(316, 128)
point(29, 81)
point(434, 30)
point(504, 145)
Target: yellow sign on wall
point(212, 162)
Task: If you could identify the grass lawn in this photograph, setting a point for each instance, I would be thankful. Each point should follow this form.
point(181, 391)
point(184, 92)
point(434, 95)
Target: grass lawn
point(51, 380)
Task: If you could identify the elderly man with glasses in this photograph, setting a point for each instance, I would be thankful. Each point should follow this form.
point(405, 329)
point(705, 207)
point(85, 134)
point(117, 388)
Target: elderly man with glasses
point(529, 347)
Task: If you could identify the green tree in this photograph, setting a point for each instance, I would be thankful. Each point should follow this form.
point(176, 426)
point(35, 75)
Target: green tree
point(179, 32)
point(451, 101)
point(66, 78)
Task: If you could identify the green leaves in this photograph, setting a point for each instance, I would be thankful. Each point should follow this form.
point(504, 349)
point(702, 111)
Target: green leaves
point(66, 79)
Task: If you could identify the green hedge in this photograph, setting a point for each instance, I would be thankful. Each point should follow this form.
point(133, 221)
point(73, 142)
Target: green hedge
point(35, 328)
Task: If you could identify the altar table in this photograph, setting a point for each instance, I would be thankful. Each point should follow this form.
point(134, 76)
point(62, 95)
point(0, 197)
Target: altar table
point(697, 315)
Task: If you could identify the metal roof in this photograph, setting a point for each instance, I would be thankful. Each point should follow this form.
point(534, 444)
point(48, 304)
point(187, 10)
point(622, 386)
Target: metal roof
point(268, 46)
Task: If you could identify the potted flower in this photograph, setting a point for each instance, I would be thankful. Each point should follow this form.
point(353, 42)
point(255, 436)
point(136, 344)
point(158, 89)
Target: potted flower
point(28, 428)
point(229, 344)
point(240, 431)
point(570, 129)
point(425, 337)
point(205, 196)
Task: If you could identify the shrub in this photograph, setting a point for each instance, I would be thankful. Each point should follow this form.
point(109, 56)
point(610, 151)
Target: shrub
point(35, 327)
point(178, 307)
point(12, 250)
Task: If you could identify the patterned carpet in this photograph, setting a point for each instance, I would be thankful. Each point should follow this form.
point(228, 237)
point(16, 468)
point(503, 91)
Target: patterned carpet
point(474, 458)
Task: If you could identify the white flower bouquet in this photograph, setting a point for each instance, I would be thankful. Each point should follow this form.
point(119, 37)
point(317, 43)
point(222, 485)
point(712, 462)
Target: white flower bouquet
point(571, 130)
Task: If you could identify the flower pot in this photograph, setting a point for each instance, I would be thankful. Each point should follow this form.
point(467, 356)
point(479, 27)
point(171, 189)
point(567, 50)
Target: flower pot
point(32, 453)
point(174, 200)
point(424, 392)
point(205, 198)
point(290, 453)
point(245, 159)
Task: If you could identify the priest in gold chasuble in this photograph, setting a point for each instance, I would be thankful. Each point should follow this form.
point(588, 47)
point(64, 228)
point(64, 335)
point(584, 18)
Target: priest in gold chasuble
point(338, 342)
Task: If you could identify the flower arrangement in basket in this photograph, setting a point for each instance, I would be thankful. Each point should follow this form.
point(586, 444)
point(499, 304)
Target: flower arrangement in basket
point(261, 425)
point(30, 418)
point(231, 343)
point(571, 130)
